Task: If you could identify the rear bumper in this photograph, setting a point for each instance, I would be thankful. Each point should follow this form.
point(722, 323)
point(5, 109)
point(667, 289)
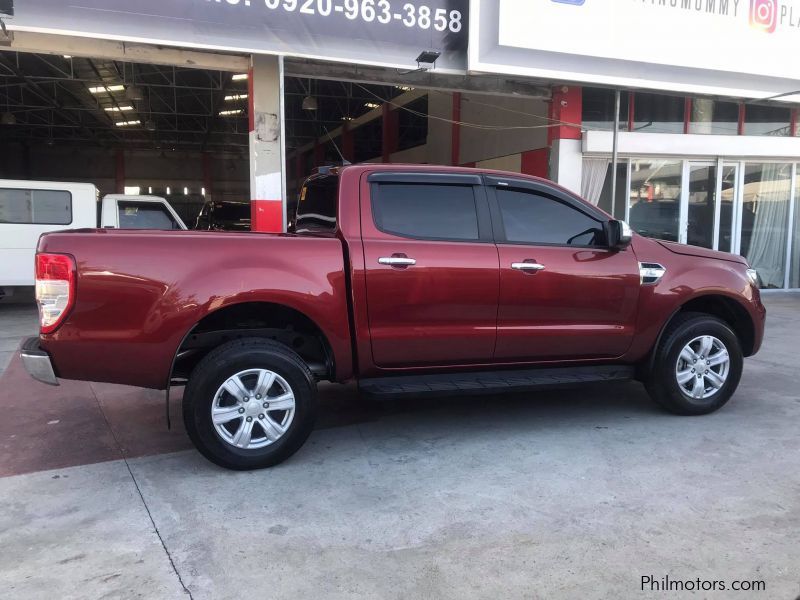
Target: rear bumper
point(37, 362)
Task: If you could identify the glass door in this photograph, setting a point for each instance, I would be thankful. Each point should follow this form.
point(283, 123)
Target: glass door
point(700, 205)
point(728, 196)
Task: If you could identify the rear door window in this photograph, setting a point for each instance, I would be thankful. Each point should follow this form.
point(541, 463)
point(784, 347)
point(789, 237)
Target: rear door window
point(35, 207)
point(426, 211)
point(316, 207)
point(145, 215)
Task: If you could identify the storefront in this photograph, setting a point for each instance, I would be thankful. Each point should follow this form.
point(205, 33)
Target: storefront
point(708, 141)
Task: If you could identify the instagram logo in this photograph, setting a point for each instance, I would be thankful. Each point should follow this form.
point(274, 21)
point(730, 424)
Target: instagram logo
point(764, 14)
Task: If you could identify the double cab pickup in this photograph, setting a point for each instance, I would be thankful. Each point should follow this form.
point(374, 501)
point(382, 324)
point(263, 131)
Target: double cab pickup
point(408, 279)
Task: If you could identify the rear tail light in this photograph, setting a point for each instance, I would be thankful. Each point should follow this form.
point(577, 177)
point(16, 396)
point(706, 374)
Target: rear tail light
point(55, 289)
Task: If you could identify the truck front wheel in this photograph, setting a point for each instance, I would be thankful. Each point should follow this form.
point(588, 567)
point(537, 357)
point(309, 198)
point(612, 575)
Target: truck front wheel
point(250, 404)
point(697, 365)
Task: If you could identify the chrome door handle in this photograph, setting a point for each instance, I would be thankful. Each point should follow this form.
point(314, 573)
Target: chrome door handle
point(527, 266)
point(397, 261)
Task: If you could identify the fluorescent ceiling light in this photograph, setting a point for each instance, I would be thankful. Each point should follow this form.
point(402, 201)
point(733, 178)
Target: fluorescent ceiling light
point(230, 113)
point(233, 97)
point(67, 56)
point(239, 77)
point(104, 89)
point(119, 108)
point(127, 123)
point(371, 104)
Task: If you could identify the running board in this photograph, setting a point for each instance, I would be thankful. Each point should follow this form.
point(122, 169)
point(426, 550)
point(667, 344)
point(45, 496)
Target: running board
point(488, 382)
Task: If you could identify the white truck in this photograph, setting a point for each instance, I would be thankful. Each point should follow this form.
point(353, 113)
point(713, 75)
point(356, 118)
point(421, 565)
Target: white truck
point(30, 208)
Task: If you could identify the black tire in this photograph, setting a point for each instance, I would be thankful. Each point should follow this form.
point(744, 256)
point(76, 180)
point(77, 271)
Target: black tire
point(662, 383)
point(220, 365)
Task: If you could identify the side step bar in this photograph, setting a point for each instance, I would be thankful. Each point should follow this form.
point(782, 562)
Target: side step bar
point(488, 382)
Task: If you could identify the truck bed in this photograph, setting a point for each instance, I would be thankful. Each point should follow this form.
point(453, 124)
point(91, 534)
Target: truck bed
point(139, 293)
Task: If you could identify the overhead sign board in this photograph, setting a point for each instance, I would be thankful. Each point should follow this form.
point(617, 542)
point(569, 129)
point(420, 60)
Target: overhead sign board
point(731, 47)
point(377, 32)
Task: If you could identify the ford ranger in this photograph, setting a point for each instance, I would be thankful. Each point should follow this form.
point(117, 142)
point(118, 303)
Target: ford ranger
point(407, 279)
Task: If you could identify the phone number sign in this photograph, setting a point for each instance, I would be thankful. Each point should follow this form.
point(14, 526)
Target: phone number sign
point(382, 32)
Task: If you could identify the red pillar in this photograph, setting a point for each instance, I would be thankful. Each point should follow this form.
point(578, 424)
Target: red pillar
point(455, 141)
point(742, 113)
point(631, 110)
point(563, 137)
point(567, 107)
point(120, 171)
point(390, 132)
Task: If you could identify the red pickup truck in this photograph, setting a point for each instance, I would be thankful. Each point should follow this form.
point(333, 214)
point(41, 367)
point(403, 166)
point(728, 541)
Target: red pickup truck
point(408, 279)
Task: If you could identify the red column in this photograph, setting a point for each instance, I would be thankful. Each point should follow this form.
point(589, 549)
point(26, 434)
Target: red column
point(566, 107)
point(455, 142)
point(390, 132)
point(120, 171)
point(740, 129)
point(631, 110)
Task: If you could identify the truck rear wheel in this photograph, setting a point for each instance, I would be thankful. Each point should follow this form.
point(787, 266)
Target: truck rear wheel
point(697, 365)
point(250, 404)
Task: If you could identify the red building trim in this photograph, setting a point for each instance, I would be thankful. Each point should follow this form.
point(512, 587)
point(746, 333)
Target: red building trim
point(566, 114)
point(266, 215)
point(631, 110)
point(536, 162)
point(455, 141)
point(742, 113)
point(687, 114)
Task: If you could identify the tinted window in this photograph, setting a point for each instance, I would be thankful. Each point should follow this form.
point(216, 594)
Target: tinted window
point(655, 113)
point(39, 207)
point(767, 120)
point(316, 209)
point(145, 215)
point(534, 219)
point(598, 109)
point(426, 210)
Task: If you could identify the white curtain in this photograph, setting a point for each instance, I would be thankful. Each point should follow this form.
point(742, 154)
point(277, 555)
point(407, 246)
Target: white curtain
point(769, 198)
point(594, 177)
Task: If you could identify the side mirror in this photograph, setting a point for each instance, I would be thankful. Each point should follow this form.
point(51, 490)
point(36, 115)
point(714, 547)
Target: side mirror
point(619, 234)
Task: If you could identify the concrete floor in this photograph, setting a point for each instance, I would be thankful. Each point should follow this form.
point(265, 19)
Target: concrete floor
point(571, 494)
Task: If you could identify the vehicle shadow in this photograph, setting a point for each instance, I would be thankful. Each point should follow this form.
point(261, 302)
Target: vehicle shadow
point(341, 406)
